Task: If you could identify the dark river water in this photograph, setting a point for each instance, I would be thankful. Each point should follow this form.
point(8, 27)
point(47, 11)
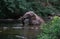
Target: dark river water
point(12, 31)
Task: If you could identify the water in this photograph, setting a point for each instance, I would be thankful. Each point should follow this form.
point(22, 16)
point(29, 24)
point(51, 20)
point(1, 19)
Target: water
point(13, 31)
point(10, 30)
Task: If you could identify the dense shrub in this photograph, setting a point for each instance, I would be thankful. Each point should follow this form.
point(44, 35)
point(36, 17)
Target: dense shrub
point(13, 8)
point(51, 30)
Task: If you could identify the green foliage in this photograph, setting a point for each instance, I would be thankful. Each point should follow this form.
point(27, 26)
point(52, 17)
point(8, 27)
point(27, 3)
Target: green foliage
point(9, 8)
point(51, 30)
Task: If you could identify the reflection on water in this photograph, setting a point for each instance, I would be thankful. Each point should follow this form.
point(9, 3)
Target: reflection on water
point(11, 37)
point(11, 31)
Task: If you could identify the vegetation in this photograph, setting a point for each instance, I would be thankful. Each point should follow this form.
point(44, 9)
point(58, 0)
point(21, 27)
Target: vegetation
point(16, 8)
point(51, 30)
